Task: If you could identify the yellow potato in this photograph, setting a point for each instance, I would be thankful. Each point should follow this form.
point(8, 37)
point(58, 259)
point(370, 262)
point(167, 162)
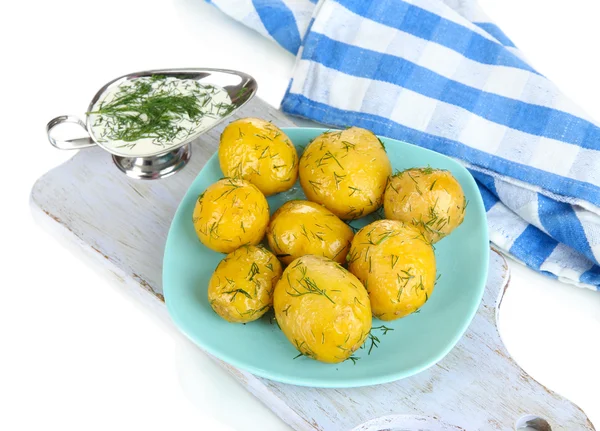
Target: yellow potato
point(229, 214)
point(322, 309)
point(395, 264)
point(241, 288)
point(301, 227)
point(346, 171)
point(258, 151)
point(430, 199)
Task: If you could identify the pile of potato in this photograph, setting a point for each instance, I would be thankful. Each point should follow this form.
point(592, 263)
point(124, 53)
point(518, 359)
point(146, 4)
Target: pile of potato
point(324, 309)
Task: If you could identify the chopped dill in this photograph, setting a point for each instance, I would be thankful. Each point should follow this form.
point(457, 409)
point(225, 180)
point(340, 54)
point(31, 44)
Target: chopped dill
point(354, 190)
point(235, 292)
point(254, 270)
point(164, 110)
point(353, 359)
point(383, 328)
point(338, 179)
point(306, 285)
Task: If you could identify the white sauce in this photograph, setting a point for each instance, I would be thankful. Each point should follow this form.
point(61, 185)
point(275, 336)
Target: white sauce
point(214, 102)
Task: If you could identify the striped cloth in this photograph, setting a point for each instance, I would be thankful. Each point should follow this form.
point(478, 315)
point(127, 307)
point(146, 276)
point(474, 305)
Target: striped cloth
point(439, 74)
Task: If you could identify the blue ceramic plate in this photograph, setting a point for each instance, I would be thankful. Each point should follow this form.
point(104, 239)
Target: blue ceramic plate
point(417, 341)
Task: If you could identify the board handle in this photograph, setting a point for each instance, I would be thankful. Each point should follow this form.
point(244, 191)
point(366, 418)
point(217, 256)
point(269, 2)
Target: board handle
point(70, 144)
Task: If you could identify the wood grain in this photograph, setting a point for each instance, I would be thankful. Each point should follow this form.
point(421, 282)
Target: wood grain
point(123, 223)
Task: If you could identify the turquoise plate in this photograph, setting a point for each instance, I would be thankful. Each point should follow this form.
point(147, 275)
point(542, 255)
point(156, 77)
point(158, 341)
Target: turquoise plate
point(417, 341)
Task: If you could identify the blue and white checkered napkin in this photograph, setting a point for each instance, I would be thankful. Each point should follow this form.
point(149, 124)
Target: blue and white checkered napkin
point(440, 75)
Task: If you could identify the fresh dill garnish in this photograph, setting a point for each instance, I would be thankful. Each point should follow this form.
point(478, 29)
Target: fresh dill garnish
point(253, 311)
point(394, 260)
point(374, 342)
point(254, 270)
point(338, 179)
point(352, 256)
point(339, 251)
point(392, 186)
point(403, 278)
point(318, 235)
point(262, 155)
point(348, 145)
point(305, 233)
point(398, 173)
point(420, 285)
point(354, 190)
point(374, 339)
point(355, 213)
point(329, 155)
point(383, 328)
point(157, 108)
point(306, 285)
point(385, 236)
point(316, 186)
point(235, 292)
point(232, 186)
point(381, 142)
point(353, 359)
point(416, 183)
point(304, 350)
point(435, 223)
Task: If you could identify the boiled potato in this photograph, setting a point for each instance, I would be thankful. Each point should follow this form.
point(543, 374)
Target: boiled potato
point(258, 151)
point(230, 213)
point(322, 309)
point(395, 264)
point(241, 288)
point(301, 227)
point(430, 199)
point(346, 171)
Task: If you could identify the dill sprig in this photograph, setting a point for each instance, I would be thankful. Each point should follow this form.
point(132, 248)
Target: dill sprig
point(383, 328)
point(307, 286)
point(235, 292)
point(304, 350)
point(374, 339)
point(162, 109)
point(435, 223)
point(254, 270)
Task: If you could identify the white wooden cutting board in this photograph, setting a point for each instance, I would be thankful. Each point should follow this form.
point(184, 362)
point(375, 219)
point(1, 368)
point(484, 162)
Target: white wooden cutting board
point(123, 223)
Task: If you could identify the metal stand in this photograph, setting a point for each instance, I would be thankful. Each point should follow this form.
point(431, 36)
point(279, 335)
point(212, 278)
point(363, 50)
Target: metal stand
point(155, 167)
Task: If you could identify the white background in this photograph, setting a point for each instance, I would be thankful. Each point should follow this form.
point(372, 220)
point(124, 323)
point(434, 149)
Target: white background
point(78, 354)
